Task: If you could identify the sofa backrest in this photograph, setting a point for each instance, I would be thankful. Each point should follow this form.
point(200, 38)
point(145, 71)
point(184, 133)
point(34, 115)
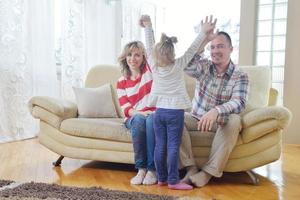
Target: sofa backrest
point(260, 86)
point(102, 74)
point(260, 83)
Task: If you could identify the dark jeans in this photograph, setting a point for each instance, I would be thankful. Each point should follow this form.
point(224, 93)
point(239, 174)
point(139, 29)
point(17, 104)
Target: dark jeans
point(168, 127)
point(142, 132)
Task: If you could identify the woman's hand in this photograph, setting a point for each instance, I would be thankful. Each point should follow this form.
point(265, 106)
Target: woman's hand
point(133, 112)
point(146, 113)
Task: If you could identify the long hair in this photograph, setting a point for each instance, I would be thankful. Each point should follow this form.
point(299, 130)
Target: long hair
point(126, 51)
point(164, 51)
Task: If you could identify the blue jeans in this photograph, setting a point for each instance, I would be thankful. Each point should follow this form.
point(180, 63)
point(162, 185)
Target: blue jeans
point(142, 132)
point(168, 127)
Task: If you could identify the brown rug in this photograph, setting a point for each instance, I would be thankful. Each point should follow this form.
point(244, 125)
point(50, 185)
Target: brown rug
point(37, 191)
point(4, 183)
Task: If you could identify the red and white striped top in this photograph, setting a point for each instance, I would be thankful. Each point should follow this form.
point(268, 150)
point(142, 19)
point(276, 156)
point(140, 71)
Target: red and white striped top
point(135, 93)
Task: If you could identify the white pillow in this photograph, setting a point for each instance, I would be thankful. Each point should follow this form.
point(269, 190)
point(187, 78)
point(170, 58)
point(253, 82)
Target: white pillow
point(95, 102)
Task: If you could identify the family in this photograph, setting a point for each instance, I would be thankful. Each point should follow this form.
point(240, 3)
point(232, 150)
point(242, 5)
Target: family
point(154, 100)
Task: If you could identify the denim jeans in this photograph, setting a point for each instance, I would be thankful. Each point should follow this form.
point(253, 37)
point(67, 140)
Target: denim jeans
point(142, 133)
point(168, 127)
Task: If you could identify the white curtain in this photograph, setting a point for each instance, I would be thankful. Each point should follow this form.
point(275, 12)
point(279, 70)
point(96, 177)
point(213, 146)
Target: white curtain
point(91, 32)
point(132, 11)
point(73, 46)
point(27, 65)
point(89, 37)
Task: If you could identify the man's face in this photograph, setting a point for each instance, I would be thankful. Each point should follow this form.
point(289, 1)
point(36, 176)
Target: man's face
point(220, 51)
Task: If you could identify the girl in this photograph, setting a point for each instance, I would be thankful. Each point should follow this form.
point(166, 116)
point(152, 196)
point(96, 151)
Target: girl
point(169, 95)
point(133, 90)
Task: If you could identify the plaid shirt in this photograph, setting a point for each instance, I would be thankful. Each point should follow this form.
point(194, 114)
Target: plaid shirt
point(226, 92)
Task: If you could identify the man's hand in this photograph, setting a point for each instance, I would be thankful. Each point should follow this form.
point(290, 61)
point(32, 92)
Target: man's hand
point(208, 26)
point(207, 121)
point(145, 21)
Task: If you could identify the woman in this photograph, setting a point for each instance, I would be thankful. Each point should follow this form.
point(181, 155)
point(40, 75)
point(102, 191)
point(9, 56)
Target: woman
point(133, 90)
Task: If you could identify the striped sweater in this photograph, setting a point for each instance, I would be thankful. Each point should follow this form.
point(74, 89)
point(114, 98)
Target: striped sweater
point(134, 94)
point(168, 89)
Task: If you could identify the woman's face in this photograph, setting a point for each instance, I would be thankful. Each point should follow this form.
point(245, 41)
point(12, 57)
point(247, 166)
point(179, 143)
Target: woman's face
point(135, 59)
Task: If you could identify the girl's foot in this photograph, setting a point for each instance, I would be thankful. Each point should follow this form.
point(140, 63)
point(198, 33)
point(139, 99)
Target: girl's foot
point(162, 183)
point(138, 179)
point(180, 186)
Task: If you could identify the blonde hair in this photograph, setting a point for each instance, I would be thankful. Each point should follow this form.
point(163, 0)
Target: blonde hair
point(164, 51)
point(127, 50)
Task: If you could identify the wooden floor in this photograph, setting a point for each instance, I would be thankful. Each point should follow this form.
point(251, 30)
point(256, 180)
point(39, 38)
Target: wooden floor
point(29, 161)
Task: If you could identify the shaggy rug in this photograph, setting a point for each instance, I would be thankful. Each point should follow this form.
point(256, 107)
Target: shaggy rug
point(4, 183)
point(37, 191)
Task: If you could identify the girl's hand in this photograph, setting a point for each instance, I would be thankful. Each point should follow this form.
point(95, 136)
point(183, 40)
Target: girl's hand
point(145, 21)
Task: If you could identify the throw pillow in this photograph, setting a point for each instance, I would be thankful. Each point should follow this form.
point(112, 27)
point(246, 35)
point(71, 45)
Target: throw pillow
point(95, 102)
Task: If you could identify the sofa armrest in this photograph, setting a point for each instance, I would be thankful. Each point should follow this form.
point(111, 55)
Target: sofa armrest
point(262, 121)
point(61, 108)
point(273, 97)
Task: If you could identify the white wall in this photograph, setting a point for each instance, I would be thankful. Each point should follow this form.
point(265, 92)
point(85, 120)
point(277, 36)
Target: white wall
point(292, 72)
point(247, 32)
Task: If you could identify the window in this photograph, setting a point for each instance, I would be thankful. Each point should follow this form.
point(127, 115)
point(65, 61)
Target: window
point(270, 42)
point(180, 19)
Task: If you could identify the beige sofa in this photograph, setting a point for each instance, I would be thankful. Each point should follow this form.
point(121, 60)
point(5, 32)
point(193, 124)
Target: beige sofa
point(106, 139)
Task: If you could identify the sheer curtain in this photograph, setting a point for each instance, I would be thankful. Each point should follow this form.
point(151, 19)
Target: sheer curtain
point(91, 32)
point(132, 11)
point(27, 65)
point(90, 35)
point(73, 63)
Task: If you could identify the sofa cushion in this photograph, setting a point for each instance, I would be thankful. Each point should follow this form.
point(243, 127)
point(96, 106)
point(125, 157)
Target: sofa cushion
point(95, 102)
point(104, 128)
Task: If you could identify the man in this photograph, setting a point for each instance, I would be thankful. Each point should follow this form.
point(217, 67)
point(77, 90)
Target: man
point(220, 95)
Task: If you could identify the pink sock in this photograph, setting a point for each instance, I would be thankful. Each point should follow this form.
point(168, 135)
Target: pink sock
point(180, 186)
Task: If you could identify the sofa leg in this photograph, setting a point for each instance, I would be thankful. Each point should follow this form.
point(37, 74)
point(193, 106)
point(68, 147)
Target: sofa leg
point(58, 162)
point(253, 177)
